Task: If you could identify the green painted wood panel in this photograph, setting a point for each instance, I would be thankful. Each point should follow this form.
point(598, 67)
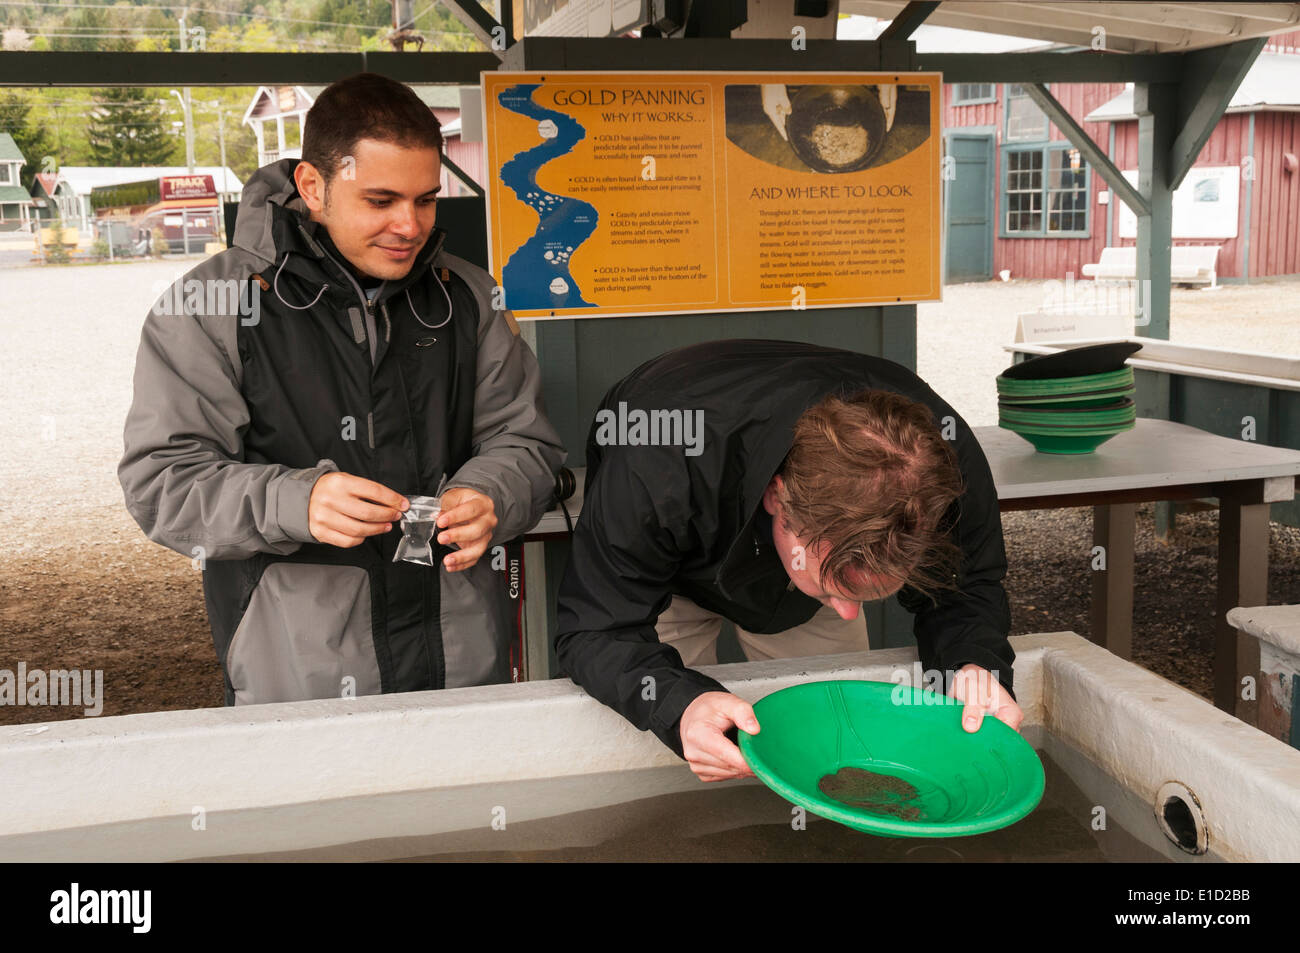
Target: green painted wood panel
point(581, 359)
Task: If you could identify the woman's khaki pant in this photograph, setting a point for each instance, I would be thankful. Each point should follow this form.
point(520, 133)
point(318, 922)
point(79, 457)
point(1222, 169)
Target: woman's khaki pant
point(694, 632)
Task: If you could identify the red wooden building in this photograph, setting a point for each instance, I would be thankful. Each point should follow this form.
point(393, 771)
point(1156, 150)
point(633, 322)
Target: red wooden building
point(1020, 198)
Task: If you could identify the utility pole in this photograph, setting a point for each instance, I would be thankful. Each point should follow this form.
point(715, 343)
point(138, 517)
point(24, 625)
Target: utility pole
point(189, 127)
point(221, 140)
point(185, 103)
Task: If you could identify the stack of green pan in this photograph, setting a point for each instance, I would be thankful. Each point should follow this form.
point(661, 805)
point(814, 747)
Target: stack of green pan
point(1068, 414)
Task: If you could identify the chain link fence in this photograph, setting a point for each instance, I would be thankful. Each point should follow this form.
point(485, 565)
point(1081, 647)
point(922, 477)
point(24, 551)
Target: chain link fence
point(109, 238)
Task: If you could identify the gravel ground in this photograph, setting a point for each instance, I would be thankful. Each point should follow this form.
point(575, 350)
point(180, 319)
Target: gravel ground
point(81, 586)
point(70, 344)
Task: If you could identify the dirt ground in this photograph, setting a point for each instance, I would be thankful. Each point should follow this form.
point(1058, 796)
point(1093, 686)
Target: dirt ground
point(136, 610)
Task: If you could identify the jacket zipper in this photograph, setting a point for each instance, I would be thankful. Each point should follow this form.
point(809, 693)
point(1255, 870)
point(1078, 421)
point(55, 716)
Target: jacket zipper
point(361, 295)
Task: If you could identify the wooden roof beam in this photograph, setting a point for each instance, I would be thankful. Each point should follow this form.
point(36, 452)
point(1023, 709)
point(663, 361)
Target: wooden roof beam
point(1282, 13)
point(236, 69)
point(1210, 77)
point(1218, 22)
point(1082, 67)
point(907, 20)
point(1084, 143)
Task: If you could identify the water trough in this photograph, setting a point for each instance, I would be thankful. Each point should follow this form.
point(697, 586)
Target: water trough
point(383, 774)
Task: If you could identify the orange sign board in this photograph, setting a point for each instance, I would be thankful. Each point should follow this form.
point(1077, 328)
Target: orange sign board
point(655, 193)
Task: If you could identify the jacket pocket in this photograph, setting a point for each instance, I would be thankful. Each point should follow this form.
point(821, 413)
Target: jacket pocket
point(307, 633)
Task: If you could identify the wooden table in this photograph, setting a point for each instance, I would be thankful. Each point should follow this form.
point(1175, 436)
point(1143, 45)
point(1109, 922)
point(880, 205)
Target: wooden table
point(1157, 460)
point(1160, 460)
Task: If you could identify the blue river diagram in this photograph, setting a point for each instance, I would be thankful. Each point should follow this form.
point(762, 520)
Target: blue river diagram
point(536, 276)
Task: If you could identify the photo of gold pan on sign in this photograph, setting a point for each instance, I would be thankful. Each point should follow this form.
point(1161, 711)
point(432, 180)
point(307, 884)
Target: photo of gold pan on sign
point(827, 127)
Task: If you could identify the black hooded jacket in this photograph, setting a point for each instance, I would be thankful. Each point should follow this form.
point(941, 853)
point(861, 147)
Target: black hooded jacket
point(658, 521)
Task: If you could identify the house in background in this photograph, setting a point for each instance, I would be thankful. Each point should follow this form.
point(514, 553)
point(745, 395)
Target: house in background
point(53, 197)
point(281, 105)
point(287, 106)
point(1023, 199)
point(71, 186)
point(15, 204)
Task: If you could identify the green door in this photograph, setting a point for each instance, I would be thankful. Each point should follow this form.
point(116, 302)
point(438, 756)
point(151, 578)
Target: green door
point(968, 206)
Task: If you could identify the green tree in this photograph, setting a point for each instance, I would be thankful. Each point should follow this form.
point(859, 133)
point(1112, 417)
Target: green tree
point(128, 127)
point(95, 30)
point(33, 140)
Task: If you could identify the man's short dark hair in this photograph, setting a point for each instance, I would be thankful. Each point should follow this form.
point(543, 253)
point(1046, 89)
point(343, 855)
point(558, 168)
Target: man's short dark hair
point(365, 106)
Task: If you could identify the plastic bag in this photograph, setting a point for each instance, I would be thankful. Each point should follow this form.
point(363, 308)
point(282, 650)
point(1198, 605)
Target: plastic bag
point(419, 527)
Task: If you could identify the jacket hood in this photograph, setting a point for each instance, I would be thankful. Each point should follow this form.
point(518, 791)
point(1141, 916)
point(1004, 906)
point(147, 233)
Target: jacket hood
point(270, 185)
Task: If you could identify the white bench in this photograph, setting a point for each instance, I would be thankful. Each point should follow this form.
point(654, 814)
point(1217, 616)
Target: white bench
point(1188, 265)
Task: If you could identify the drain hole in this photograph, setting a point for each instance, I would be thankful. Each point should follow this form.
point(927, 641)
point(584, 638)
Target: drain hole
point(1178, 818)
point(1181, 817)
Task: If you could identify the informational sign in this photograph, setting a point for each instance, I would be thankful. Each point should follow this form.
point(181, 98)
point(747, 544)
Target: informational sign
point(1035, 326)
point(657, 193)
point(1204, 206)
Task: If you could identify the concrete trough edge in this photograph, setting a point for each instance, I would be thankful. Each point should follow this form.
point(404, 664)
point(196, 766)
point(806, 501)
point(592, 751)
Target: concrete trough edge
point(1144, 731)
point(1138, 727)
point(163, 764)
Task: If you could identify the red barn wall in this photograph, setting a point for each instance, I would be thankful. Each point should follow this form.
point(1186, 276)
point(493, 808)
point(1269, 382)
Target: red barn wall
point(1275, 205)
point(467, 155)
point(1274, 196)
point(1043, 257)
point(1274, 247)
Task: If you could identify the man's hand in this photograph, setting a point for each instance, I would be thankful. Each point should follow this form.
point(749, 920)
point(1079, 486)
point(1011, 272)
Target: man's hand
point(344, 509)
point(704, 743)
point(469, 518)
point(984, 694)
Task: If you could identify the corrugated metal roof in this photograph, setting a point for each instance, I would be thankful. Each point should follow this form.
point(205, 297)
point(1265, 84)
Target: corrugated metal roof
point(1272, 83)
point(1129, 27)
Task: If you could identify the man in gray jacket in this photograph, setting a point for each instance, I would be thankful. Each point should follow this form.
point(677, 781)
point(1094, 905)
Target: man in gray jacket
point(293, 391)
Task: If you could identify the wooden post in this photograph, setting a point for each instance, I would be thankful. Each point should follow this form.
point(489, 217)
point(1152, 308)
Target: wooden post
point(1243, 581)
point(1111, 623)
point(1156, 106)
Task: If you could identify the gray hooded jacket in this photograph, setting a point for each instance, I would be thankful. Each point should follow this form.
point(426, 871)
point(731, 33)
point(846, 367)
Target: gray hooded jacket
point(264, 368)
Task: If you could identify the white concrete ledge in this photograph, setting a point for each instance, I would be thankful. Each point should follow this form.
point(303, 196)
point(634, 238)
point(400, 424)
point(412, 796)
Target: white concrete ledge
point(1143, 730)
point(1277, 625)
point(64, 778)
point(105, 770)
